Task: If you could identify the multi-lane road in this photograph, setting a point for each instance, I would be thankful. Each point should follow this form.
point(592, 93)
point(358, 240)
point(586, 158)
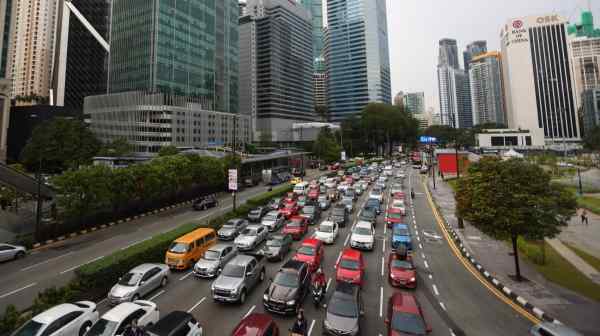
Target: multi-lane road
point(455, 300)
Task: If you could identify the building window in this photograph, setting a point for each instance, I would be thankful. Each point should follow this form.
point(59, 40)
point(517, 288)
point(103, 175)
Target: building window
point(528, 140)
point(511, 141)
point(497, 141)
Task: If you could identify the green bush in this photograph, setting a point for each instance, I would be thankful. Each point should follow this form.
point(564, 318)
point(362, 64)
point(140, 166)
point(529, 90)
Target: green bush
point(10, 320)
point(533, 251)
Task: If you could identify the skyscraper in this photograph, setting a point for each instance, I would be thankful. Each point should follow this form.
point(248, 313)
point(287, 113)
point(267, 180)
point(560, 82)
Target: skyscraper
point(448, 53)
point(472, 50)
point(399, 99)
point(6, 14)
point(539, 88)
point(455, 99)
point(359, 66)
point(414, 102)
point(315, 8)
point(487, 92)
point(585, 44)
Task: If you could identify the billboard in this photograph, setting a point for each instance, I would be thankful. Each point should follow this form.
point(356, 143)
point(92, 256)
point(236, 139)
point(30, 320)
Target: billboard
point(233, 180)
point(427, 139)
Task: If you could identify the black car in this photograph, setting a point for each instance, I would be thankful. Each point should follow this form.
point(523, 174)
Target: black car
point(256, 214)
point(277, 247)
point(176, 323)
point(368, 214)
point(312, 213)
point(374, 203)
point(288, 288)
point(344, 311)
point(205, 203)
point(339, 215)
point(275, 203)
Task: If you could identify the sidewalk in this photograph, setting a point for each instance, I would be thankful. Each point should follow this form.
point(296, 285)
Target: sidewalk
point(563, 304)
point(585, 237)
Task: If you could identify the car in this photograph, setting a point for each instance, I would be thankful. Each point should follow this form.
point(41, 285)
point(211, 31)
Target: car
point(11, 252)
point(213, 260)
point(302, 201)
point(311, 251)
point(290, 209)
point(313, 193)
point(363, 236)
point(239, 276)
point(404, 316)
point(257, 213)
point(251, 237)
point(327, 232)
point(368, 215)
point(401, 236)
point(205, 203)
point(232, 228)
point(396, 187)
point(288, 288)
point(275, 203)
point(373, 203)
point(350, 267)
point(273, 220)
point(344, 311)
point(376, 193)
point(277, 247)
point(424, 170)
point(339, 215)
point(351, 193)
point(324, 202)
point(115, 321)
point(256, 324)
point(312, 213)
point(399, 195)
point(401, 272)
point(393, 216)
point(322, 179)
point(552, 329)
point(64, 319)
point(398, 204)
point(297, 227)
point(359, 188)
point(348, 202)
point(333, 194)
point(295, 180)
point(176, 323)
point(138, 282)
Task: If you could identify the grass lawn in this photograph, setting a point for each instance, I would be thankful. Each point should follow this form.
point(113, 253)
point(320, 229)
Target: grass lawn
point(453, 184)
point(590, 259)
point(590, 203)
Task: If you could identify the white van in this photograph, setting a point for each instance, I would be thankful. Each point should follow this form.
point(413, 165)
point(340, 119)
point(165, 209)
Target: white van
point(301, 188)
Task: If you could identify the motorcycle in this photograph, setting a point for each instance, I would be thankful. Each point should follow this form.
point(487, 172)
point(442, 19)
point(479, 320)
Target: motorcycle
point(317, 294)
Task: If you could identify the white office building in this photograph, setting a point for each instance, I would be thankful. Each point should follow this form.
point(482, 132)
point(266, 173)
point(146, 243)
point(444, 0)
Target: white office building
point(487, 96)
point(455, 99)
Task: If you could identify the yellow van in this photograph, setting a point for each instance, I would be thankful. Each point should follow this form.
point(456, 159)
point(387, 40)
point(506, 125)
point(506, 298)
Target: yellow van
point(189, 248)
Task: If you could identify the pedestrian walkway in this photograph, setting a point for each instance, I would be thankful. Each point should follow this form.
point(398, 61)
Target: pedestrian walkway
point(582, 236)
point(581, 265)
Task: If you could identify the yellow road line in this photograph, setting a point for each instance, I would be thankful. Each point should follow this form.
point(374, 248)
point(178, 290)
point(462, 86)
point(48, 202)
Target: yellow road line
point(470, 266)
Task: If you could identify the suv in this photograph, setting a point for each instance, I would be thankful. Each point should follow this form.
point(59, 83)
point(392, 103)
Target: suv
point(238, 277)
point(339, 215)
point(176, 323)
point(344, 311)
point(288, 289)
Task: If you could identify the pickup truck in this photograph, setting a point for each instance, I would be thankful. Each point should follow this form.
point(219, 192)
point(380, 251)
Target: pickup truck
point(239, 276)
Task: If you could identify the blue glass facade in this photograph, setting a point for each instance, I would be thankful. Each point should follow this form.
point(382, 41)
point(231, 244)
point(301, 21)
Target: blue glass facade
point(358, 56)
point(315, 7)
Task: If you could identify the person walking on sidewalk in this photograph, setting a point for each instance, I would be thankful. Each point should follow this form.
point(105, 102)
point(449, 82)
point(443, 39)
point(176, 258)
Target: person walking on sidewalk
point(584, 217)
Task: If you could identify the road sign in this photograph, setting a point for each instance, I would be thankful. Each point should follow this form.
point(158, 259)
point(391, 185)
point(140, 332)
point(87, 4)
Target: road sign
point(343, 158)
point(233, 179)
point(427, 139)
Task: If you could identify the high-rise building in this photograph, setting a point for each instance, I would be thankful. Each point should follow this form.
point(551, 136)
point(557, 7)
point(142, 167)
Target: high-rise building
point(585, 44)
point(6, 14)
point(315, 8)
point(30, 63)
point(414, 102)
point(358, 62)
point(455, 99)
point(585, 28)
point(487, 91)
point(472, 50)
point(448, 53)
point(539, 88)
point(591, 109)
point(320, 85)
point(399, 99)
point(277, 67)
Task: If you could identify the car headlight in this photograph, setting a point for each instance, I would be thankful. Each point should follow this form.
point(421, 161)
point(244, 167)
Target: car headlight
point(291, 302)
point(413, 279)
point(212, 288)
point(265, 297)
point(234, 291)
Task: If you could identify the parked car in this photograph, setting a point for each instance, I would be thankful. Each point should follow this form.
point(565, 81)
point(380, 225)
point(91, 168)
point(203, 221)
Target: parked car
point(256, 324)
point(176, 323)
point(401, 272)
point(351, 267)
point(312, 213)
point(257, 213)
point(115, 321)
point(552, 329)
point(239, 277)
point(213, 260)
point(324, 202)
point(404, 316)
point(401, 236)
point(344, 311)
point(64, 319)
point(275, 203)
point(277, 246)
point(232, 228)
point(339, 215)
point(205, 203)
point(311, 251)
point(297, 227)
point(11, 252)
point(288, 288)
point(138, 282)
point(273, 220)
point(363, 236)
point(327, 232)
point(251, 237)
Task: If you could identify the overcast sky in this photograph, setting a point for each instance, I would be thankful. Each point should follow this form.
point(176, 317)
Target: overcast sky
point(416, 26)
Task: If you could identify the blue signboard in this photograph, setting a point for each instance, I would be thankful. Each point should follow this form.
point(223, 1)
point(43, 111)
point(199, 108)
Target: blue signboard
point(427, 139)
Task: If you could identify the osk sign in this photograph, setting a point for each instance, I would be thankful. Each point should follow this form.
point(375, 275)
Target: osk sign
point(547, 19)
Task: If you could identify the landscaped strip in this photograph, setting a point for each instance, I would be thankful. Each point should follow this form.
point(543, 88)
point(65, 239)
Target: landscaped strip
point(590, 259)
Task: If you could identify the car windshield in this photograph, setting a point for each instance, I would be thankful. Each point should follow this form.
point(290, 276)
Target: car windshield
point(102, 328)
point(401, 232)
point(373, 203)
point(362, 231)
point(211, 255)
point(367, 214)
point(232, 223)
point(30, 328)
point(130, 279)
point(375, 192)
point(326, 228)
point(286, 279)
point(295, 223)
point(307, 250)
point(179, 248)
point(235, 271)
point(275, 242)
point(343, 307)
point(249, 232)
point(338, 211)
point(308, 209)
point(322, 198)
point(408, 323)
point(395, 215)
point(396, 263)
point(270, 217)
point(350, 264)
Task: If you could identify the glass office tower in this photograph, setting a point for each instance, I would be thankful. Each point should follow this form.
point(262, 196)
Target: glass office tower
point(315, 7)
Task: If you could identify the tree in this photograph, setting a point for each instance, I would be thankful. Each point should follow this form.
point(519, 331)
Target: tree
point(118, 147)
point(168, 151)
point(591, 140)
point(322, 112)
point(511, 199)
point(58, 145)
point(326, 147)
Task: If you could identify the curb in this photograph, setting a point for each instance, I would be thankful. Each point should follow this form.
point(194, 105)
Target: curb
point(509, 293)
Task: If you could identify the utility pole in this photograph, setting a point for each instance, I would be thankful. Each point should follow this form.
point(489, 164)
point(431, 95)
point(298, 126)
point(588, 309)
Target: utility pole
point(234, 156)
point(580, 184)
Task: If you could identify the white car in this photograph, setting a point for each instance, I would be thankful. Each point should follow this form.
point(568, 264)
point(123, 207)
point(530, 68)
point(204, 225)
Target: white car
point(251, 237)
point(10, 252)
point(62, 320)
point(273, 220)
point(327, 232)
point(115, 321)
point(322, 179)
point(376, 194)
point(363, 236)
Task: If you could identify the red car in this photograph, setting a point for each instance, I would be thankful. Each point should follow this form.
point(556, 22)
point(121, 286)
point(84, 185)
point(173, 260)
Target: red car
point(404, 316)
point(399, 195)
point(401, 272)
point(311, 251)
point(351, 267)
point(297, 227)
point(313, 194)
point(349, 180)
point(290, 197)
point(290, 209)
point(393, 216)
point(256, 325)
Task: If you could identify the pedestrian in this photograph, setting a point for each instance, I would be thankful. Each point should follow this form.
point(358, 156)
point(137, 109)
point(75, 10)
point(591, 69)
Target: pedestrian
point(584, 217)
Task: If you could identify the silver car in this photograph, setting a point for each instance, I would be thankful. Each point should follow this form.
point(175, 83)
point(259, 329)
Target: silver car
point(232, 228)
point(273, 220)
point(214, 259)
point(552, 329)
point(138, 282)
point(251, 237)
point(10, 252)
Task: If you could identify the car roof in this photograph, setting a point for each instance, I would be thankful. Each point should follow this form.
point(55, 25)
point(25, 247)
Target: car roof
point(346, 289)
point(404, 302)
point(254, 226)
point(218, 247)
point(350, 253)
point(121, 311)
point(558, 329)
point(394, 210)
point(327, 222)
point(273, 213)
point(293, 265)
point(169, 322)
point(400, 226)
point(252, 324)
point(143, 268)
point(241, 260)
point(364, 224)
point(311, 242)
point(55, 312)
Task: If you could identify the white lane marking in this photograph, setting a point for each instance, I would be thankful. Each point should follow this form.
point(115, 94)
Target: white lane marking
point(85, 263)
point(435, 290)
point(312, 325)
point(338, 258)
point(382, 265)
point(430, 277)
point(426, 264)
point(381, 302)
point(135, 243)
point(423, 255)
point(418, 238)
point(157, 295)
point(327, 287)
point(347, 238)
point(420, 246)
point(46, 261)
point(384, 228)
point(383, 246)
point(250, 311)
point(196, 305)
point(444, 308)
point(185, 276)
point(17, 290)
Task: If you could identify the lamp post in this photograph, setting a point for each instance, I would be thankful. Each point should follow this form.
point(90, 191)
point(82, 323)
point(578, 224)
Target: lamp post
point(580, 184)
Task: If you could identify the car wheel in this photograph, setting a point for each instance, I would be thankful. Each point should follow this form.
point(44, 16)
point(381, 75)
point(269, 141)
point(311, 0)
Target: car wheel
point(87, 325)
point(20, 255)
point(243, 296)
point(262, 275)
point(164, 282)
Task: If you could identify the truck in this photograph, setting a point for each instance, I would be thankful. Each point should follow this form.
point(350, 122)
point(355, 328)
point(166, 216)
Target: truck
point(238, 277)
